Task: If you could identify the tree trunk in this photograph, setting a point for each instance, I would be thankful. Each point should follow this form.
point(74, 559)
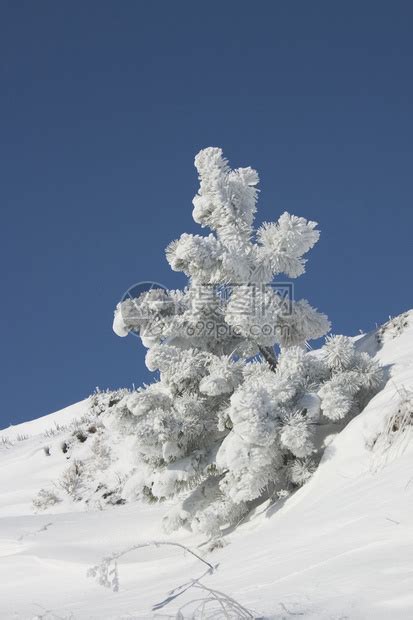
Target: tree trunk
point(269, 356)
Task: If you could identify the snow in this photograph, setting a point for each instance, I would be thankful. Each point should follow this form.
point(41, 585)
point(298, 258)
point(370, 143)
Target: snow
point(35, 427)
point(118, 323)
point(340, 547)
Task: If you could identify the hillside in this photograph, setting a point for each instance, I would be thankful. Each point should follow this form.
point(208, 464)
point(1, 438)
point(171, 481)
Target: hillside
point(340, 547)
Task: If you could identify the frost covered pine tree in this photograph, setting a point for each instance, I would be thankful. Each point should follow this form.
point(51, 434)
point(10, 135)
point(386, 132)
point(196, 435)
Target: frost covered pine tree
point(231, 419)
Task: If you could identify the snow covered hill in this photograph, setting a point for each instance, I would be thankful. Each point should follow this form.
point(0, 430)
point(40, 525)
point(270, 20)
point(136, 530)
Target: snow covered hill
point(340, 547)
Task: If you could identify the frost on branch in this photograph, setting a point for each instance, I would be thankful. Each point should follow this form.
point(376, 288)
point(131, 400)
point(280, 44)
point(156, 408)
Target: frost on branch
point(283, 244)
point(355, 377)
point(300, 471)
point(297, 435)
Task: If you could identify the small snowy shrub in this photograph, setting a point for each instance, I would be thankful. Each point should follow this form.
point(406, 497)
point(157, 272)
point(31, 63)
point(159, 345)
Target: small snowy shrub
point(45, 499)
point(393, 328)
point(101, 401)
point(71, 480)
point(57, 429)
point(5, 442)
point(397, 429)
point(91, 476)
point(402, 418)
point(101, 452)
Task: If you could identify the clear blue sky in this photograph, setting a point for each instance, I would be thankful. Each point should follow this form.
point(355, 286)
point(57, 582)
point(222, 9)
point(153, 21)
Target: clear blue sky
point(103, 106)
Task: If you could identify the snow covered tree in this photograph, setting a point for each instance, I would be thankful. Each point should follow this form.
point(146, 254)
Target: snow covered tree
point(232, 418)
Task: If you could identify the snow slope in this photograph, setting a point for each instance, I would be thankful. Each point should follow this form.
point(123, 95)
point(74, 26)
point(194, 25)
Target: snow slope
point(36, 427)
point(341, 547)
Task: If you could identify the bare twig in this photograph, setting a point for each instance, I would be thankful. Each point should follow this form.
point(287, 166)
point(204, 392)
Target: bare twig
point(208, 606)
point(106, 571)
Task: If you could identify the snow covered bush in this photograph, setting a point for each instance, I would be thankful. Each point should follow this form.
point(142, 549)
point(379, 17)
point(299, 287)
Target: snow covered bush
point(71, 480)
point(234, 414)
point(57, 429)
point(395, 435)
point(393, 328)
point(5, 442)
point(45, 499)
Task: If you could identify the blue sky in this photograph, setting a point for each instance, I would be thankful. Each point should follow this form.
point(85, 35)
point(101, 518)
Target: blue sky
point(104, 105)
